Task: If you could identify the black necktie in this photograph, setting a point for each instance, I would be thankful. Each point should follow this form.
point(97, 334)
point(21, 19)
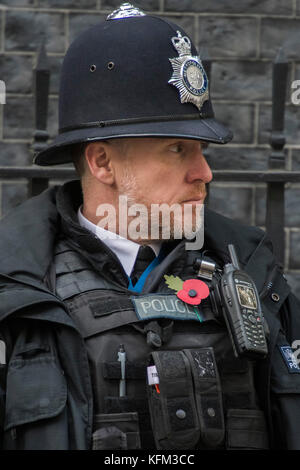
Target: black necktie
point(144, 257)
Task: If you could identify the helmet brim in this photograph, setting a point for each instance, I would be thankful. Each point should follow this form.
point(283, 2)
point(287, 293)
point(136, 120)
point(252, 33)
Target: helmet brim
point(208, 130)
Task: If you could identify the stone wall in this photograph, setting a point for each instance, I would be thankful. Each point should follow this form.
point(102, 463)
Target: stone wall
point(241, 37)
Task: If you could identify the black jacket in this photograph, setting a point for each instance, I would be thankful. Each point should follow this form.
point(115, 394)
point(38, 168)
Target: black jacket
point(46, 392)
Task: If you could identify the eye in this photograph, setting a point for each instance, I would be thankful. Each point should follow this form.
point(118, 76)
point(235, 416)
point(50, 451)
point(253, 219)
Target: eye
point(176, 148)
point(204, 145)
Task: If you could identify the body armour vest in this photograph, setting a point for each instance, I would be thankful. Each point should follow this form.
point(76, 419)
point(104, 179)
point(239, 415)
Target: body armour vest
point(164, 377)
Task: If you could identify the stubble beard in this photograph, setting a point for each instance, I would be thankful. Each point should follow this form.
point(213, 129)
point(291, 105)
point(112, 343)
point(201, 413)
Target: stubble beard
point(174, 228)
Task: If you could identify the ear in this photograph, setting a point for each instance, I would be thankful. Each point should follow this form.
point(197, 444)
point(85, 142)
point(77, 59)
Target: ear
point(97, 155)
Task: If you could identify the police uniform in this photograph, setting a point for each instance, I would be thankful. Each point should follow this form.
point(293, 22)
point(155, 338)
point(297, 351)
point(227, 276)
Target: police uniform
point(96, 359)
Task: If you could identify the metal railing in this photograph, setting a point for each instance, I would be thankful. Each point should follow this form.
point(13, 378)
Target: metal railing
point(275, 177)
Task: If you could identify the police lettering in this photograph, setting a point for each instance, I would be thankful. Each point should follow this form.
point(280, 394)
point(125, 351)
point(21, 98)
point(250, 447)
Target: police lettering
point(168, 304)
point(163, 306)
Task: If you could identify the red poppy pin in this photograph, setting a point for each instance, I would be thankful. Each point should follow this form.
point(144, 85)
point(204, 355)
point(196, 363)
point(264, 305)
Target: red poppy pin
point(191, 291)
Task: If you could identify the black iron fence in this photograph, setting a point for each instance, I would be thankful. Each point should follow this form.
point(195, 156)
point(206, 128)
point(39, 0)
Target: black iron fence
point(275, 177)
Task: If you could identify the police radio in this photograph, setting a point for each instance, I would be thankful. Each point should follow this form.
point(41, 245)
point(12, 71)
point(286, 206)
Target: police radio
point(234, 297)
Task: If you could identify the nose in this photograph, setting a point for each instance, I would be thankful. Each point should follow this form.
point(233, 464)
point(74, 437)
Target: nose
point(199, 168)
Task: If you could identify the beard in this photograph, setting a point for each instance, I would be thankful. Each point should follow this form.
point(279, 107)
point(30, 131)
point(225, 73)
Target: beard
point(155, 221)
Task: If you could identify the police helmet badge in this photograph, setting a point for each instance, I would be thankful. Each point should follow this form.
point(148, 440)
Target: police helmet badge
point(188, 73)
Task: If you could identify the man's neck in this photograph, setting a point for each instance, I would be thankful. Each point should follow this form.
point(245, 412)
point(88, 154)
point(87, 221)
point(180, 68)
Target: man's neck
point(125, 249)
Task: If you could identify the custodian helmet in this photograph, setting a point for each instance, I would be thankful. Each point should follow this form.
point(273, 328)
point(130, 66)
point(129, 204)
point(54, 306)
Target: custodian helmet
point(133, 75)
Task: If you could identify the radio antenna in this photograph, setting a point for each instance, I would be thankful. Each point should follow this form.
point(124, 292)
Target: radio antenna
point(233, 256)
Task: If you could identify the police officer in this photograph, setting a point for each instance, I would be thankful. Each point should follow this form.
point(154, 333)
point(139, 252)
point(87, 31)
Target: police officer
point(116, 341)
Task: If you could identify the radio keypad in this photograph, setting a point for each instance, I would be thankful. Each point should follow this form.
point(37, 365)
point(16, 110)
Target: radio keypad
point(253, 326)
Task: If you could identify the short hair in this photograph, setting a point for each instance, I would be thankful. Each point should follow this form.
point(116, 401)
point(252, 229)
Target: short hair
point(77, 154)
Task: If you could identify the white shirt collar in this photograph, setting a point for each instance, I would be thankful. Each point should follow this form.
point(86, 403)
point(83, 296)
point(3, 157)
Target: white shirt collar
point(126, 250)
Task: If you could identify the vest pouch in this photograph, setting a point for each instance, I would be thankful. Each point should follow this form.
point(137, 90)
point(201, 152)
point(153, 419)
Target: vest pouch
point(188, 411)
point(208, 396)
point(36, 392)
point(116, 431)
point(246, 429)
point(172, 406)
